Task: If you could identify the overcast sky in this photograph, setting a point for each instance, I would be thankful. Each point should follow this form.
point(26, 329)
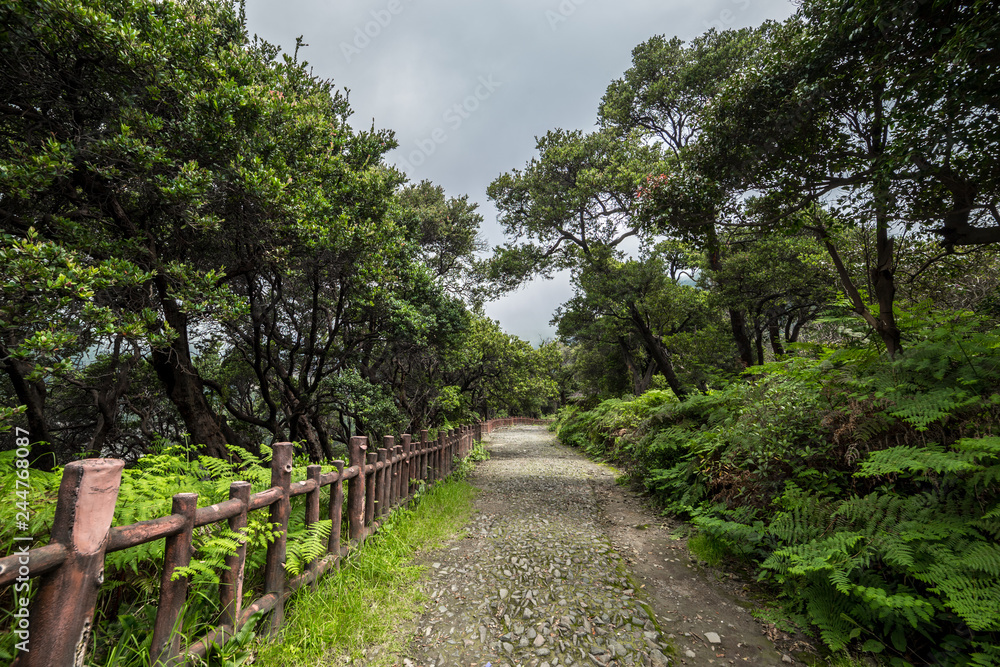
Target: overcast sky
point(467, 86)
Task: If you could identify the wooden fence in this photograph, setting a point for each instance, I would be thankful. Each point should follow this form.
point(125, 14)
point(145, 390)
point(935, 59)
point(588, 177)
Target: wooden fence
point(71, 566)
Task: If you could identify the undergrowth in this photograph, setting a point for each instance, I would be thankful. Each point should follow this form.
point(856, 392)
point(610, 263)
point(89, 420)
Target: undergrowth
point(863, 490)
point(126, 606)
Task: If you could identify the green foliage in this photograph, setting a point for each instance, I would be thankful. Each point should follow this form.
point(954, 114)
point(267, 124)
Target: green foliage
point(865, 490)
point(132, 576)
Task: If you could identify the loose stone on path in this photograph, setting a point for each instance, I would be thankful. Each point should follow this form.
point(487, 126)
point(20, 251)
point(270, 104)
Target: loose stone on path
point(536, 581)
point(540, 578)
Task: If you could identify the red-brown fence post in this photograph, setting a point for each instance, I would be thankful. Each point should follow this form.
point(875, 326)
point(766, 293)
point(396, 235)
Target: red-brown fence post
point(312, 511)
point(356, 490)
point(370, 487)
point(422, 456)
point(62, 614)
point(397, 463)
point(406, 471)
point(166, 645)
point(274, 566)
point(231, 579)
point(380, 485)
point(439, 455)
point(449, 461)
point(389, 443)
point(336, 511)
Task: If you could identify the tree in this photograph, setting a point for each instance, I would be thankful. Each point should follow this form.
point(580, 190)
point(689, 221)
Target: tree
point(576, 199)
point(875, 112)
point(664, 98)
point(780, 283)
point(162, 137)
point(446, 231)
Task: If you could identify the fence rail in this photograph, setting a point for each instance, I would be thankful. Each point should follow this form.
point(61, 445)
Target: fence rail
point(71, 566)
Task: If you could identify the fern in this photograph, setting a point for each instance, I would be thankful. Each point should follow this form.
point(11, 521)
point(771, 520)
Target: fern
point(307, 546)
point(923, 460)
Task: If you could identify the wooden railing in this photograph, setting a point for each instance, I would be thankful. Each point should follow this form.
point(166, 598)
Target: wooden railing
point(71, 567)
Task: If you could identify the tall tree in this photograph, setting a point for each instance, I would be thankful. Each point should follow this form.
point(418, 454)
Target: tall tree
point(664, 97)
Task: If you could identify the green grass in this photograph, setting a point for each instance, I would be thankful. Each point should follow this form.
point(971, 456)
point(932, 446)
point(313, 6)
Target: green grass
point(707, 548)
point(366, 600)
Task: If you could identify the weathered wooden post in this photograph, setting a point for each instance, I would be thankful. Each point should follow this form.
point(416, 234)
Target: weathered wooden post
point(231, 579)
point(274, 566)
point(390, 479)
point(422, 467)
point(312, 511)
point(389, 444)
point(439, 455)
point(398, 475)
point(406, 472)
point(336, 511)
point(356, 492)
point(380, 485)
point(62, 614)
point(449, 461)
point(166, 645)
point(370, 484)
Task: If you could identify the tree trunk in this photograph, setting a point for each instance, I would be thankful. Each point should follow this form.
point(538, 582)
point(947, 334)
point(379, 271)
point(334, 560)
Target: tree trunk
point(32, 396)
point(656, 351)
point(883, 276)
point(774, 334)
point(737, 320)
point(184, 387)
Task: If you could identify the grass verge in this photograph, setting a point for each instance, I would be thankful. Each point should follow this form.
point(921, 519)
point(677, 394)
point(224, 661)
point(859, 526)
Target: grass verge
point(364, 602)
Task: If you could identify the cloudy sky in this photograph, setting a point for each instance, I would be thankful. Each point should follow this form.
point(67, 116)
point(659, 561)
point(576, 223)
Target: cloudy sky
point(467, 86)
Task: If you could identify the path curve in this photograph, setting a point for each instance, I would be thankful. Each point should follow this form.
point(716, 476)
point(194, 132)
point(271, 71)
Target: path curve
point(559, 566)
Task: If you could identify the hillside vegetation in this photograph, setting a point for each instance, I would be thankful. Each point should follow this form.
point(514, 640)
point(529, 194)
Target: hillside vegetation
point(865, 491)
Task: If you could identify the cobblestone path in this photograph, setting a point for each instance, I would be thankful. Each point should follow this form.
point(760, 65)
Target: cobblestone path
point(538, 580)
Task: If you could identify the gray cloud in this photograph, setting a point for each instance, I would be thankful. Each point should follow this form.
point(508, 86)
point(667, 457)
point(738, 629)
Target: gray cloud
point(408, 63)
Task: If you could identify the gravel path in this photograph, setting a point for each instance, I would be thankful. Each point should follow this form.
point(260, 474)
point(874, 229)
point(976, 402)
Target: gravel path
point(548, 573)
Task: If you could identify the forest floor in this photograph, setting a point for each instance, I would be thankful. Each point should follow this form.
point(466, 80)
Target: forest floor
point(561, 566)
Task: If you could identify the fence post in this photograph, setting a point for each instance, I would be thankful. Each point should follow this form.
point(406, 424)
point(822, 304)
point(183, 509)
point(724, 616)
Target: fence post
point(312, 512)
point(274, 566)
point(397, 468)
point(166, 644)
point(370, 485)
point(388, 442)
point(356, 490)
point(380, 485)
point(449, 460)
point(231, 579)
point(62, 613)
point(336, 511)
point(406, 472)
point(422, 458)
point(439, 455)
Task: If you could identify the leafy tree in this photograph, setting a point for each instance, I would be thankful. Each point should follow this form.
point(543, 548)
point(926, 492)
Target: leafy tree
point(664, 98)
point(575, 201)
point(781, 284)
point(446, 230)
point(835, 111)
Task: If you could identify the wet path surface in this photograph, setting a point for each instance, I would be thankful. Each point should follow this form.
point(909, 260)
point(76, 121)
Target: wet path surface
point(561, 567)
